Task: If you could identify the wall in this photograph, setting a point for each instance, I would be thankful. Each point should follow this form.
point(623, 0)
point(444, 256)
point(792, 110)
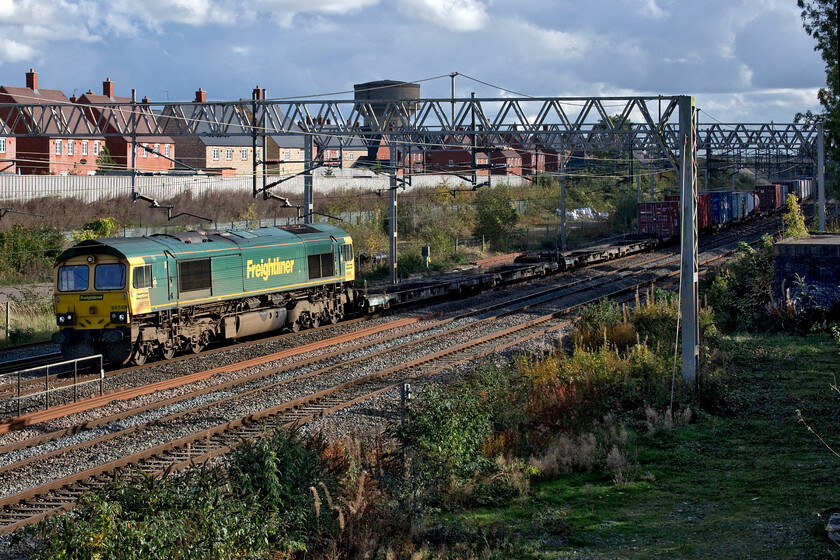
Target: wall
point(162, 187)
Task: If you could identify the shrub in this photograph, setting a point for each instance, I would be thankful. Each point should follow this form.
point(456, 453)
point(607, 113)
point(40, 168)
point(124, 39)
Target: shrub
point(741, 293)
point(29, 252)
point(274, 475)
point(794, 219)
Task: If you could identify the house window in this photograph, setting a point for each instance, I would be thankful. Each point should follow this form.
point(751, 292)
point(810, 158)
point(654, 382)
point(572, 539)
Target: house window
point(70, 145)
point(229, 154)
point(350, 156)
point(157, 149)
point(288, 154)
point(95, 148)
point(259, 153)
point(2, 145)
point(84, 147)
point(243, 154)
point(58, 147)
point(145, 153)
point(216, 154)
point(166, 150)
point(451, 162)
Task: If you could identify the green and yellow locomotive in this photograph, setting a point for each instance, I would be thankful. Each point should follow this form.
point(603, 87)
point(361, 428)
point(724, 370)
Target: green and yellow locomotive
point(133, 298)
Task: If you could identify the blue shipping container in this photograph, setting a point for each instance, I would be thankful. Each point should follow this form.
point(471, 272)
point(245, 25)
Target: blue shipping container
point(720, 206)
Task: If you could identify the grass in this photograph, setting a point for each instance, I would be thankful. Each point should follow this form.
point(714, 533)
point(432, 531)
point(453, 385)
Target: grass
point(31, 319)
point(754, 484)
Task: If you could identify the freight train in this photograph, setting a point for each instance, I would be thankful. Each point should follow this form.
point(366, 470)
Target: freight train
point(716, 209)
point(133, 298)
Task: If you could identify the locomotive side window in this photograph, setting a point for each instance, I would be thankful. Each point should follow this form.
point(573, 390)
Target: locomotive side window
point(321, 265)
point(327, 264)
point(109, 276)
point(194, 275)
point(348, 253)
point(73, 278)
point(142, 277)
point(314, 262)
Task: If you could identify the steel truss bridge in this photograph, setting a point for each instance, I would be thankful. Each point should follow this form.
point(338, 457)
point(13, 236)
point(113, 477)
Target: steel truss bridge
point(662, 128)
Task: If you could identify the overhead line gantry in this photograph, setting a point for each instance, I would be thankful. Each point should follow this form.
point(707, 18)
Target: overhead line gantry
point(661, 126)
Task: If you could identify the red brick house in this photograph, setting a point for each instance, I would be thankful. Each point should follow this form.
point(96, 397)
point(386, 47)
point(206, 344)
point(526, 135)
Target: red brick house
point(533, 160)
point(7, 154)
point(456, 160)
point(505, 161)
point(52, 153)
point(121, 110)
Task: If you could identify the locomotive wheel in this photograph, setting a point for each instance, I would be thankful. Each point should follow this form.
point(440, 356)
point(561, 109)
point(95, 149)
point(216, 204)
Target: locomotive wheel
point(316, 321)
point(295, 326)
point(333, 318)
point(196, 347)
point(139, 358)
point(167, 351)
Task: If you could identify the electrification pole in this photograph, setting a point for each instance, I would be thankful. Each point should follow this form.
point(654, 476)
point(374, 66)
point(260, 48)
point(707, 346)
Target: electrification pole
point(689, 277)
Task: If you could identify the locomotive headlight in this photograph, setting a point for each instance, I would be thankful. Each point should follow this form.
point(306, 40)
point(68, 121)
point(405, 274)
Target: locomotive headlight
point(118, 316)
point(64, 319)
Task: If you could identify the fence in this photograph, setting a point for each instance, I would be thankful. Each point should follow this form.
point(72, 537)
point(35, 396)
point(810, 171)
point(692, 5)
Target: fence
point(90, 188)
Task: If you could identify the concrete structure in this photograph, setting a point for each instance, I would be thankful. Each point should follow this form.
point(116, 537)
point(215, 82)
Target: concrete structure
point(816, 261)
point(54, 153)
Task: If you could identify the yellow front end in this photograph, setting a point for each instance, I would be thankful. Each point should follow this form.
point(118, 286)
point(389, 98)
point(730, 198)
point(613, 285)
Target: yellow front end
point(91, 293)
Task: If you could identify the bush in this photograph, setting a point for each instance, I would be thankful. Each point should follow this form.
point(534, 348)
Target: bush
point(29, 252)
point(97, 228)
point(741, 293)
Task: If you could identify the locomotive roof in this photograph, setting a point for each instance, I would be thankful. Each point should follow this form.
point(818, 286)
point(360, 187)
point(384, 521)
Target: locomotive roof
point(191, 243)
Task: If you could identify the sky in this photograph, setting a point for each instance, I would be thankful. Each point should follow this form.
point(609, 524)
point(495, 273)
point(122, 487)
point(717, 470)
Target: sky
point(746, 61)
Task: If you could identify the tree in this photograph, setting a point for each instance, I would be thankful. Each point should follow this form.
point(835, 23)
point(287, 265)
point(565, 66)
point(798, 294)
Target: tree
point(105, 161)
point(496, 216)
point(819, 18)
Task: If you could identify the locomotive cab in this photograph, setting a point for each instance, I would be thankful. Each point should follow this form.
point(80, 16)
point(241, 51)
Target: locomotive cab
point(91, 306)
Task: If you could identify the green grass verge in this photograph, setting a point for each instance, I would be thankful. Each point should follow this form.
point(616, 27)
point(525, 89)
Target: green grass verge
point(755, 484)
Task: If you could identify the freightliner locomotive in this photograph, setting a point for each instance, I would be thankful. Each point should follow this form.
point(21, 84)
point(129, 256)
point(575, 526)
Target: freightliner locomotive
point(133, 298)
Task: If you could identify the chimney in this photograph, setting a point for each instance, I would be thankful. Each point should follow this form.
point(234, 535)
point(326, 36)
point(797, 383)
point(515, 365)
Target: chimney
point(201, 96)
point(145, 100)
point(108, 88)
point(258, 94)
point(32, 79)
point(73, 98)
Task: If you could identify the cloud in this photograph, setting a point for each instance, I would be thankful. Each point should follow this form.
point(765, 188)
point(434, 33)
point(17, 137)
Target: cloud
point(14, 51)
point(27, 25)
point(455, 15)
point(542, 43)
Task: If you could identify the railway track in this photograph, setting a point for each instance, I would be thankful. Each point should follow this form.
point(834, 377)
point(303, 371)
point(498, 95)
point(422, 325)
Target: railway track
point(38, 382)
point(213, 441)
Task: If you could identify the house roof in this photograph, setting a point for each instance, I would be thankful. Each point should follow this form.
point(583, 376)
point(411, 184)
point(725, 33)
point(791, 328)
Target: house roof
point(119, 111)
point(28, 96)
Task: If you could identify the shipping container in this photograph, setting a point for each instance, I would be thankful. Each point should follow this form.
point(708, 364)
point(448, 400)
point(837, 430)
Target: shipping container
point(753, 203)
point(720, 203)
point(659, 218)
point(704, 211)
point(770, 197)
